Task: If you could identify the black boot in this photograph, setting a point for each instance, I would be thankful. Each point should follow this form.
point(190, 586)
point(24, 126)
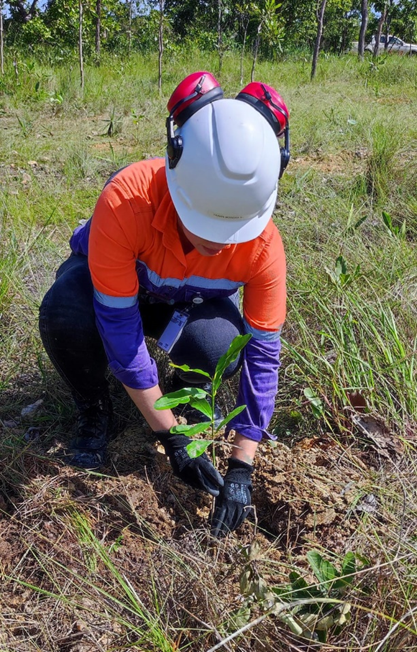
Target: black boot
point(191, 414)
point(88, 447)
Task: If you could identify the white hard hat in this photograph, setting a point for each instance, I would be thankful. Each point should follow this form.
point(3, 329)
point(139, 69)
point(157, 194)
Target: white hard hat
point(224, 186)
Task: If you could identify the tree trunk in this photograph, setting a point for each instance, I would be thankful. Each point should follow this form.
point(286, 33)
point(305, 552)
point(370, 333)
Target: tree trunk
point(220, 35)
point(255, 51)
point(320, 22)
point(80, 42)
point(343, 40)
point(25, 14)
point(388, 18)
point(1, 39)
point(245, 24)
point(364, 25)
point(160, 42)
point(381, 22)
point(129, 32)
point(98, 30)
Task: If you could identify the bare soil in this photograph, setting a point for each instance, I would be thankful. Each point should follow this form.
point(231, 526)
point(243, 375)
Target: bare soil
point(59, 592)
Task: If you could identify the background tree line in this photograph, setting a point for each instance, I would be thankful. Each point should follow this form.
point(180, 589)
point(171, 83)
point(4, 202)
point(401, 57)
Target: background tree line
point(266, 28)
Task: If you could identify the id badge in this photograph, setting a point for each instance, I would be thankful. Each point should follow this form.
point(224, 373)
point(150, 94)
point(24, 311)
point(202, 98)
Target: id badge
point(172, 331)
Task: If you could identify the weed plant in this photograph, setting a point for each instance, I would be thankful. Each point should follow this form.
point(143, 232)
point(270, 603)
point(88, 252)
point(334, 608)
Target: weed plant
point(74, 547)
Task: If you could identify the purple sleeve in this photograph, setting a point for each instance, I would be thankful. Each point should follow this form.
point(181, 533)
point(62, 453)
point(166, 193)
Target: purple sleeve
point(122, 333)
point(257, 389)
point(79, 238)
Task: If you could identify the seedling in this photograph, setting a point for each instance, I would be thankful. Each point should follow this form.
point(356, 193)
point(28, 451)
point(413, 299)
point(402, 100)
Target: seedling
point(395, 231)
point(309, 610)
point(339, 276)
point(113, 124)
point(326, 607)
point(315, 402)
point(204, 401)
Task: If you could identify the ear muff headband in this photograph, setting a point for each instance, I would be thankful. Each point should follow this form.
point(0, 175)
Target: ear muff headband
point(193, 107)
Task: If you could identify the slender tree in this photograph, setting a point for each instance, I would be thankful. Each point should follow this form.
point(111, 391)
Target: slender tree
point(244, 18)
point(129, 30)
point(268, 27)
point(220, 34)
point(1, 39)
point(364, 26)
point(381, 22)
point(160, 41)
point(98, 31)
point(320, 23)
point(80, 41)
point(255, 50)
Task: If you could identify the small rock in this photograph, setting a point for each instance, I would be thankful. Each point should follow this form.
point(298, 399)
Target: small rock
point(369, 504)
point(30, 410)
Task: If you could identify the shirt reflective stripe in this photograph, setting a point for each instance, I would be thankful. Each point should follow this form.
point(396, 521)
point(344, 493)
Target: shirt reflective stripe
point(197, 282)
point(115, 302)
point(267, 336)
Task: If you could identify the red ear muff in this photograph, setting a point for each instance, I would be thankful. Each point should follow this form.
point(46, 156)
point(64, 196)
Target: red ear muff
point(194, 92)
point(270, 104)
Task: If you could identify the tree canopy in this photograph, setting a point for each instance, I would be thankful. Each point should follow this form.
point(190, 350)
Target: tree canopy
point(270, 27)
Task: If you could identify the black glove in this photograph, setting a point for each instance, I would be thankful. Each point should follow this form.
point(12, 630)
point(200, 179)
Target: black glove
point(233, 503)
point(197, 472)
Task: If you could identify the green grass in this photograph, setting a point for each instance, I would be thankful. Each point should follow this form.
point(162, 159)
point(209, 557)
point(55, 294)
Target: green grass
point(350, 330)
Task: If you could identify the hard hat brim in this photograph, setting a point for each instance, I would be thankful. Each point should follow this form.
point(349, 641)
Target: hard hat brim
point(221, 229)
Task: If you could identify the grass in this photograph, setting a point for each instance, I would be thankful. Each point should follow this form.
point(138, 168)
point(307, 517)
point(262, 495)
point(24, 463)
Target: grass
point(117, 562)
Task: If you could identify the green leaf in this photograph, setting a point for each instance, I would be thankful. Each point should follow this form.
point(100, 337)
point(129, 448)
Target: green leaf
point(202, 406)
point(301, 590)
point(180, 397)
point(297, 581)
point(230, 416)
point(323, 570)
point(185, 367)
point(349, 563)
point(315, 402)
point(387, 220)
point(360, 221)
point(283, 592)
point(340, 267)
point(237, 344)
point(348, 571)
point(190, 431)
point(197, 448)
point(322, 636)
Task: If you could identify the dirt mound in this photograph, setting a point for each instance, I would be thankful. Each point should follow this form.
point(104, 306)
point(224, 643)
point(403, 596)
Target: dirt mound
point(94, 554)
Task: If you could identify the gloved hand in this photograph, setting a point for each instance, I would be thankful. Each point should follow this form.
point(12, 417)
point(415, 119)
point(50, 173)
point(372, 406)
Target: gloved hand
point(197, 472)
point(232, 505)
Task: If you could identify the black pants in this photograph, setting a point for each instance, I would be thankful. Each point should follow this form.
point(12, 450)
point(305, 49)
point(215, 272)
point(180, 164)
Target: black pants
point(71, 339)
